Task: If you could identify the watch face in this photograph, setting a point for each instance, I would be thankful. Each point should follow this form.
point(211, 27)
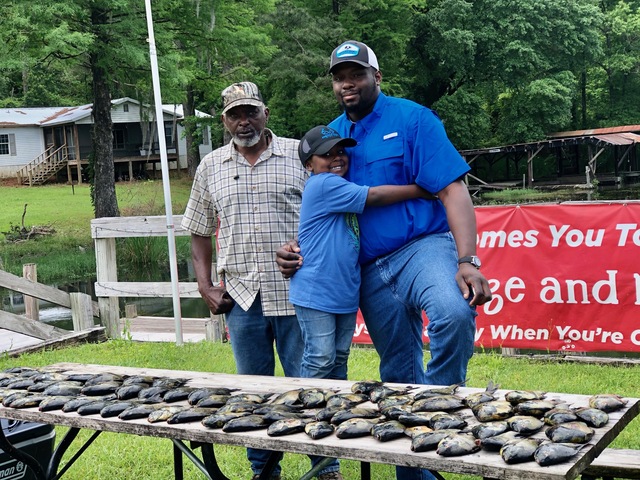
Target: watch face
point(472, 259)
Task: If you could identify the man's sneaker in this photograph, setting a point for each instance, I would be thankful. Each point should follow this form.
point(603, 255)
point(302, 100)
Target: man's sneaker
point(330, 476)
point(274, 477)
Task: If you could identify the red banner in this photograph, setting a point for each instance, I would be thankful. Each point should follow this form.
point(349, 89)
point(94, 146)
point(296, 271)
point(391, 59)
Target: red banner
point(563, 276)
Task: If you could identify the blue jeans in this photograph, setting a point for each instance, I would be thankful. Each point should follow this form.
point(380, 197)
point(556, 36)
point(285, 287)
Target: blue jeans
point(327, 341)
point(252, 337)
point(395, 289)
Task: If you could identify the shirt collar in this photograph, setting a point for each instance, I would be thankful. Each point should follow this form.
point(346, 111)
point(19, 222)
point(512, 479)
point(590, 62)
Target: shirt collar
point(370, 120)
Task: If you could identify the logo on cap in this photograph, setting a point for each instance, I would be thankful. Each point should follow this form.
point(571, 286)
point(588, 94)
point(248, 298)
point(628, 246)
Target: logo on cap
point(305, 147)
point(348, 50)
point(328, 133)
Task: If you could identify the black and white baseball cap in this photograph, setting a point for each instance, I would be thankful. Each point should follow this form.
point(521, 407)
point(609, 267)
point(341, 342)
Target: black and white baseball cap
point(352, 51)
point(319, 140)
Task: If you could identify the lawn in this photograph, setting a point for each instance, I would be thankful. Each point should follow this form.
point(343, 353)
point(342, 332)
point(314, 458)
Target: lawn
point(129, 457)
point(67, 254)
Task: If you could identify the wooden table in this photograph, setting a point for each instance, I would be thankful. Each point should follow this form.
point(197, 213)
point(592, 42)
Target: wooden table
point(367, 449)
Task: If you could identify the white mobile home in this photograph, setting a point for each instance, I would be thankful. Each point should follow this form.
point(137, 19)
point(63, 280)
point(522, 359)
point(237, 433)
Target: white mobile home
point(40, 143)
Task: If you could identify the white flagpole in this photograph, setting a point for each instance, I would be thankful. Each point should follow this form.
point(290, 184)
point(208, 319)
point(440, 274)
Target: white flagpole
point(165, 177)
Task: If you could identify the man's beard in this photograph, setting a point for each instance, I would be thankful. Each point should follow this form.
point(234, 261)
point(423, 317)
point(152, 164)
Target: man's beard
point(247, 142)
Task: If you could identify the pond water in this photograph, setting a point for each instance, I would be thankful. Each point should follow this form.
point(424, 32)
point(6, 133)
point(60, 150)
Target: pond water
point(61, 317)
point(564, 193)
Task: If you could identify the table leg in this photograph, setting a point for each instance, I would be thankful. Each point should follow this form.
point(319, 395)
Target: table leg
point(61, 449)
point(365, 471)
point(209, 458)
point(208, 465)
point(319, 466)
point(178, 473)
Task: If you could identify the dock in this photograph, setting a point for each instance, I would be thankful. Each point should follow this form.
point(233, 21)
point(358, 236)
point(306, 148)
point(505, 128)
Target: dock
point(162, 329)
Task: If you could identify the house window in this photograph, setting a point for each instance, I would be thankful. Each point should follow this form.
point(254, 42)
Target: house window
point(168, 134)
point(205, 135)
point(125, 107)
point(4, 144)
point(118, 139)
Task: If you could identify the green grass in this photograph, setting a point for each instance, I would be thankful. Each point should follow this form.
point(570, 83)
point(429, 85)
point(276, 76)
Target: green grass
point(68, 254)
point(129, 457)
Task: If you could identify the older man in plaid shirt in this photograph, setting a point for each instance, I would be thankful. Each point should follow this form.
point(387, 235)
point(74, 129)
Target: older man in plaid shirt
point(250, 190)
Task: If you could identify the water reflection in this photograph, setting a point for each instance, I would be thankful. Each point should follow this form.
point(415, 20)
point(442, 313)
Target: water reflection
point(163, 307)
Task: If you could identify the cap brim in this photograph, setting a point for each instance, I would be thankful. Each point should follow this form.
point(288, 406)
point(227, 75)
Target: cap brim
point(349, 60)
point(328, 145)
point(243, 101)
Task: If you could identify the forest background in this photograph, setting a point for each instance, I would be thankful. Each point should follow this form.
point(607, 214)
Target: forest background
point(496, 71)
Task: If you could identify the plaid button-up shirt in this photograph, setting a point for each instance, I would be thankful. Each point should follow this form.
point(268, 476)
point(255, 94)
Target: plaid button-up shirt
point(258, 208)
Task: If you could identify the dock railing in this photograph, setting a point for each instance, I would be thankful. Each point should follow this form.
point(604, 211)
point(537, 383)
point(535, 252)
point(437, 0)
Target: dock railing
point(108, 289)
point(83, 310)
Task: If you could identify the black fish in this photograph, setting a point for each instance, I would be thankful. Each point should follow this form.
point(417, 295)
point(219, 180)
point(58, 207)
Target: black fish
point(386, 431)
point(92, 408)
point(53, 403)
point(318, 430)
point(97, 389)
point(245, 424)
point(287, 426)
point(178, 394)
point(218, 420)
point(127, 392)
point(188, 415)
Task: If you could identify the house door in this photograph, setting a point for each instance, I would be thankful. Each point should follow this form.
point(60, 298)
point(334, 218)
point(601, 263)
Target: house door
point(71, 142)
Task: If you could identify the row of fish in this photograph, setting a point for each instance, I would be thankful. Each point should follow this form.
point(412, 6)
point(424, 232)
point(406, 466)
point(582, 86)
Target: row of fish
point(435, 418)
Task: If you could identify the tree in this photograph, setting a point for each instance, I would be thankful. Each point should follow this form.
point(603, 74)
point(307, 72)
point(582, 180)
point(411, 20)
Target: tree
point(613, 86)
point(511, 54)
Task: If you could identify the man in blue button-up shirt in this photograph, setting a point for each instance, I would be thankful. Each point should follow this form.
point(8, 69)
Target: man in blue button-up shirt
point(415, 255)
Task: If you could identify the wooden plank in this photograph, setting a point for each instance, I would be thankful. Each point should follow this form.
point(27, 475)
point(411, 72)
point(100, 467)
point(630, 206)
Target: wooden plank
point(25, 326)
point(145, 289)
point(43, 292)
point(582, 359)
point(615, 462)
point(143, 226)
point(94, 335)
point(27, 287)
point(106, 271)
point(396, 452)
point(31, 305)
point(10, 341)
point(81, 311)
point(163, 324)
point(162, 329)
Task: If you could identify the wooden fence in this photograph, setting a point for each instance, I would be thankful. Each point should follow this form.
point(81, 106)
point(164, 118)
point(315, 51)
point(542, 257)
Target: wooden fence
point(108, 289)
point(83, 309)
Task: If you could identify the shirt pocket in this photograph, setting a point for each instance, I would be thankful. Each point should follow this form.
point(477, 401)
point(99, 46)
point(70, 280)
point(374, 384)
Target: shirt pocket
point(385, 162)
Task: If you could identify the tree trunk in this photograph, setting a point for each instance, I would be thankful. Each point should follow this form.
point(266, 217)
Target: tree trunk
point(190, 130)
point(105, 202)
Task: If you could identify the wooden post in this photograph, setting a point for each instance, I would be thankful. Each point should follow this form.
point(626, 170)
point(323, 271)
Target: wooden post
point(81, 311)
point(131, 310)
point(106, 270)
point(31, 307)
